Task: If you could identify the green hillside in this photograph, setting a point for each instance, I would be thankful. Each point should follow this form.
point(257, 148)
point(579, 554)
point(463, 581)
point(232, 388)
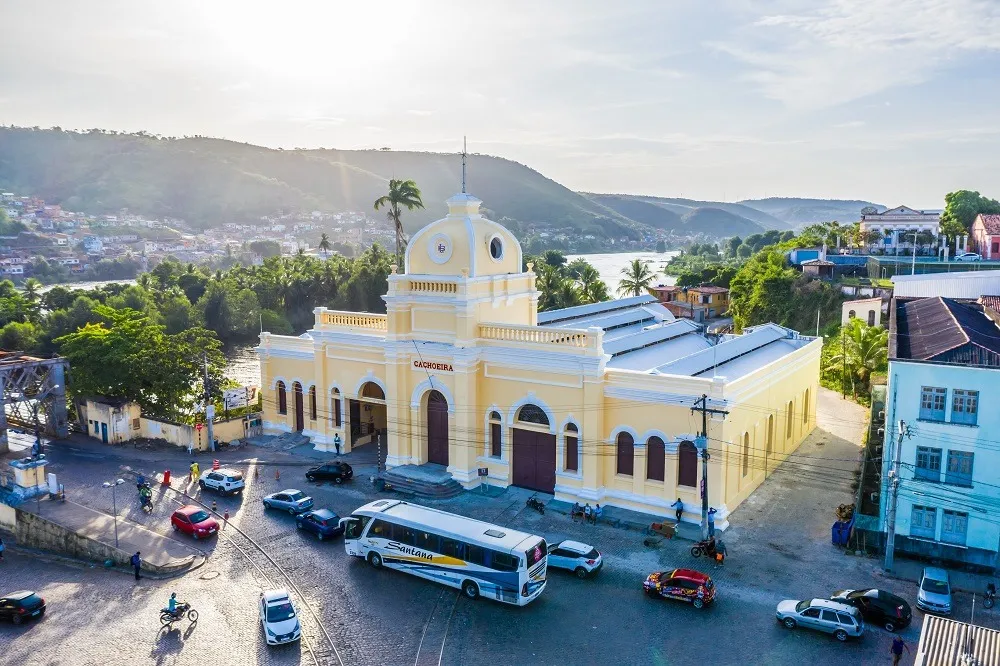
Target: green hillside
point(718, 222)
point(798, 212)
point(641, 211)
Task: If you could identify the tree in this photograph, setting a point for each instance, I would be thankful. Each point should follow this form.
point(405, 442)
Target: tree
point(591, 286)
point(859, 351)
point(324, 244)
point(733, 246)
point(266, 248)
point(554, 258)
point(661, 246)
point(548, 282)
point(636, 278)
point(402, 194)
point(962, 207)
point(951, 229)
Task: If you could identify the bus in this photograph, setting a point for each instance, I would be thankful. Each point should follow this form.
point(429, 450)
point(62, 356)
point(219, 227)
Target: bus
point(479, 558)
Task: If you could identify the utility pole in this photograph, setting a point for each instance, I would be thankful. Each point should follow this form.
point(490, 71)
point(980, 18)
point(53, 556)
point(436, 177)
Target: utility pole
point(843, 363)
point(890, 539)
point(705, 411)
point(913, 262)
point(817, 322)
point(209, 407)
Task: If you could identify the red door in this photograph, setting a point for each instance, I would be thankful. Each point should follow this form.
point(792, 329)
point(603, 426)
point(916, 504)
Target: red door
point(534, 460)
point(437, 428)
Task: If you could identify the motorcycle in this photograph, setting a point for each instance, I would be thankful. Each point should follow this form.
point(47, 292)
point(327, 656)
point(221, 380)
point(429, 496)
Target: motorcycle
point(706, 547)
point(146, 497)
point(535, 504)
point(990, 597)
point(167, 618)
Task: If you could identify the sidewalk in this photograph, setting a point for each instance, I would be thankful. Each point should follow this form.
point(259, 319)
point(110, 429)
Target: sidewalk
point(961, 581)
point(68, 528)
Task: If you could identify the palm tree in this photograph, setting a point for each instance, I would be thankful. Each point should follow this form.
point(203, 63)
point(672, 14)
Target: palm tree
point(31, 287)
point(592, 287)
point(863, 351)
point(548, 282)
point(637, 278)
point(567, 295)
point(402, 194)
point(324, 244)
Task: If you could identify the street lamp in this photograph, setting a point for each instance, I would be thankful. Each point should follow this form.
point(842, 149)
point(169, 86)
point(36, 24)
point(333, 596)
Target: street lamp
point(114, 502)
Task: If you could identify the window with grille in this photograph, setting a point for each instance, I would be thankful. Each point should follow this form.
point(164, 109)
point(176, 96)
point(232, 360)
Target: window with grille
point(572, 448)
point(532, 414)
point(923, 521)
point(964, 406)
point(928, 467)
point(959, 468)
point(282, 399)
point(954, 526)
point(496, 448)
point(312, 403)
point(337, 419)
point(932, 403)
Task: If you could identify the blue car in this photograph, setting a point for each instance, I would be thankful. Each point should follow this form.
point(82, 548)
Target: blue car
point(291, 500)
point(322, 522)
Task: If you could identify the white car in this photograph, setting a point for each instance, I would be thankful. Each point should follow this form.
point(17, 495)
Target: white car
point(581, 559)
point(832, 617)
point(277, 614)
point(968, 256)
point(223, 481)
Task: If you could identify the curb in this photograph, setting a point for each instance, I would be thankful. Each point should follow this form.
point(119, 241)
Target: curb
point(48, 556)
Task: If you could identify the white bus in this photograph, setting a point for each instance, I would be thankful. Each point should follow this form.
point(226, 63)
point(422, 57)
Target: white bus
point(480, 558)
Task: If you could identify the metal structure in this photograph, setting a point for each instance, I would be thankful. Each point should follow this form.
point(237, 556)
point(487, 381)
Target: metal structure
point(32, 395)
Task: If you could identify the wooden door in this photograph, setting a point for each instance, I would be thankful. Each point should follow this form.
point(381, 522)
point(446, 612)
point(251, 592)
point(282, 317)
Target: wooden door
point(437, 428)
point(534, 460)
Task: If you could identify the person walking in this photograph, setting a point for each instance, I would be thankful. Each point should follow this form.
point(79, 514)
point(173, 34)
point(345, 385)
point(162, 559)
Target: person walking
point(678, 506)
point(195, 471)
point(896, 649)
point(225, 519)
point(136, 564)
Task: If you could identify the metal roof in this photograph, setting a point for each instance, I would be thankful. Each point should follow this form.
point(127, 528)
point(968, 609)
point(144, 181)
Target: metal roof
point(944, 330)
point(945, 642)
point(578, 311)
point(726, 351)
point(651, 336)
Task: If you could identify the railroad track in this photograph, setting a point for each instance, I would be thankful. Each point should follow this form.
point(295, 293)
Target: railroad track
point(430, 651)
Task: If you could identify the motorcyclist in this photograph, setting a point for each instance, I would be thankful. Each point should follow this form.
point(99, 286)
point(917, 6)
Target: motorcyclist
point(174, 606)
point(145, 495)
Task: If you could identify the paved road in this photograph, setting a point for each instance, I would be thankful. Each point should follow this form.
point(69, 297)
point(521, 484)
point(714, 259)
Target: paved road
point(778, 545)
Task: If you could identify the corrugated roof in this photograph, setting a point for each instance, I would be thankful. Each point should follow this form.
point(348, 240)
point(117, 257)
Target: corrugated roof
point(992, 223)
point(945, 642)
point(726, 351)
point(578, 311)
point(651, 336)
point(940, 329)
point(992, 302)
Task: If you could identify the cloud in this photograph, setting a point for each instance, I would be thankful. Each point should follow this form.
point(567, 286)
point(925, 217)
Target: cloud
point(419, 112)
point(848, 49)
point(850, 124)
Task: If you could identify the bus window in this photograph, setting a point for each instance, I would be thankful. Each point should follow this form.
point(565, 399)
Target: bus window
point(475, 554)
point(355, 526)
point(381, 530)
point(504, 562)
point(404, 534)
point(536, 553)
point(428, 541)
point(452, 548)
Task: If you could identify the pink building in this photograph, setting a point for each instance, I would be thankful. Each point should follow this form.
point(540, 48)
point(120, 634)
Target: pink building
point(986, 235)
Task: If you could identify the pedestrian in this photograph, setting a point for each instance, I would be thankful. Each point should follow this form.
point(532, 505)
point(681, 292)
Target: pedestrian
point(136, 564)
point(195, 471)
point(225, 519)
point(598, 512)
point(587, 511)
point(896, 649)
point(711, 522)
point(215, 508)
point(336, 443)
point(1, 550)
point(678, 507)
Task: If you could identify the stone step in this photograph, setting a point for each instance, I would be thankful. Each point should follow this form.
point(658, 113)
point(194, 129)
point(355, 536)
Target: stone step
point(444, 489)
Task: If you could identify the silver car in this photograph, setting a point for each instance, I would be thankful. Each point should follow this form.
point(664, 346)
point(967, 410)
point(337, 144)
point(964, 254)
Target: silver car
point(291, 500)
point(581, 559)
point(832, 617)
point(934, 595)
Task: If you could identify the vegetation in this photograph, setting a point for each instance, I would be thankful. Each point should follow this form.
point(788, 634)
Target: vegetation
point(636, 278)
point(402, 194)
point(562, 284)
point(961, 208)
point(852, 356)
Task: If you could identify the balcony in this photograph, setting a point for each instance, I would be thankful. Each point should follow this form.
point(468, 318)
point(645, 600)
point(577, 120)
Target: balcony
point(549, 337)
point(359, 322)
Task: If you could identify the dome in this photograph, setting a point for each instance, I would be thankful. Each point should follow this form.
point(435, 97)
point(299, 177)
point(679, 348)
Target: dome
point(463, 240)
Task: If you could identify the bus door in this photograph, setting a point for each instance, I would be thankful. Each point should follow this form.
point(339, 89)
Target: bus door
point(353, 527)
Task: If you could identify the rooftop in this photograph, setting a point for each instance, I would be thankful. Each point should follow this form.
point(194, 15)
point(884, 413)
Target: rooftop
point(709, 289)
point(943, 330)
point(992, 223)
point(945, 642)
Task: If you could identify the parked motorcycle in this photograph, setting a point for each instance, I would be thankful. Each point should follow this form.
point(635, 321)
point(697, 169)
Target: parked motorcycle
point(990, 597)
point(535, 504)
point(166, 617)
point(706, 547)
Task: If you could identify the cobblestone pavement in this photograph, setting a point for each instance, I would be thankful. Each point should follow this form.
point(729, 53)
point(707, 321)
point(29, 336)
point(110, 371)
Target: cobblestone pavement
point(779, 547)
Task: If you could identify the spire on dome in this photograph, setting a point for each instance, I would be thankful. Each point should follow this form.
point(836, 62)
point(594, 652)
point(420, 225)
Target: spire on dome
point(463, 164)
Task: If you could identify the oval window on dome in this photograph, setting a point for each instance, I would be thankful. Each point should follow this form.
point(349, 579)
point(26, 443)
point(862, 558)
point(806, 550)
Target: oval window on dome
point(496, 248)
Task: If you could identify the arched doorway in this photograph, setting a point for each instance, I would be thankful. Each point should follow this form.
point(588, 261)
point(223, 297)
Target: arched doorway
point(367, 418)
point(534, 450)
point(299, 417)
point(437, 428)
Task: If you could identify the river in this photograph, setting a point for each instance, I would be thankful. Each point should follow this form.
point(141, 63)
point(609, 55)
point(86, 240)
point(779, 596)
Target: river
point(243, 366)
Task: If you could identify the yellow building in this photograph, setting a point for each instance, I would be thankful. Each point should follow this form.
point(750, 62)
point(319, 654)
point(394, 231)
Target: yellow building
point(591, 403)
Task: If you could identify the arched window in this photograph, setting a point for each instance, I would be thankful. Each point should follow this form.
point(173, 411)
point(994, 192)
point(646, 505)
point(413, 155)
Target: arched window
point(746, 453)
point(312, 403)
point(805, 408)
point(788, 419)
point(687, 464)
point(532, 414)
point(282, 398)
point(770, 434)
point(626, 448)
point(372, 390)
point(571, 435)
point(851, 314)
point(496, 426)
point(335, 409)
point(655, 459)
point(871, 317)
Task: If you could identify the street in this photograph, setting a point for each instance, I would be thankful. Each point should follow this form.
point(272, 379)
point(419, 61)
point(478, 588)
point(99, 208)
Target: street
point(779, 548)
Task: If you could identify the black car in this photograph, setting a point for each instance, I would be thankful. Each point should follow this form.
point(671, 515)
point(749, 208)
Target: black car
point(20, 606)
point(338, 472)
point(877, 607)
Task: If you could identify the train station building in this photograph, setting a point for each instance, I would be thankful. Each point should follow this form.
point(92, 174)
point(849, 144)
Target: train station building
point(590, 403)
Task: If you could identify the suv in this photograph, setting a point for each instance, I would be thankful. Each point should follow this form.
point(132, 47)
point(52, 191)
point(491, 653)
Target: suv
point(832, 617)
point(877, 607)
point(223, 481)
point(277, 614)
point(581, 559)
point(292, 501)
point(338, 472)
point(934, 595)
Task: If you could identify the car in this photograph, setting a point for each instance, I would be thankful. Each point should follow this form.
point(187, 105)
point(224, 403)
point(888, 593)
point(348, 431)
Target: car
point(291, 500)
point(223, 481)
point(934, 595)
point(581, 559)
point(194, 520)
point(321, 522)
point(687, 585)
point(968, 256)
point(21, 605)
point(832, 617)
point(338, 472)
point(277, 614)
point(877, 607)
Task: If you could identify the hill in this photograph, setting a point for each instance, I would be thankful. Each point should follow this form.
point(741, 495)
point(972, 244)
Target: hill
point(718, 222)
point(640, 211)
point(211, 181)
point(682, 206)
point(799, 212)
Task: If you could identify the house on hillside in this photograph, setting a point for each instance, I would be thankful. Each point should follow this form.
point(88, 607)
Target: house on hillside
point(986, 235)
point(696, 303)
point(895, 223)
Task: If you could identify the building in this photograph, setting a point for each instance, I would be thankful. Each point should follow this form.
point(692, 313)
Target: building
point(944, 364)
point(697, 303)
point(964, 284)
point(818, 268)
point(894, 224)
point(591, 403)
point(868, 310)
point(986, 236)
point(945, 642)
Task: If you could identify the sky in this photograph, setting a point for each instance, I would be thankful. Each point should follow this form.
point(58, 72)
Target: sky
point(892, 101)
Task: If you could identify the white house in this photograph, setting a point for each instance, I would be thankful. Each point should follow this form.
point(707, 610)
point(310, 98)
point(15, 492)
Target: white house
point(944, 384)
point(896, 222)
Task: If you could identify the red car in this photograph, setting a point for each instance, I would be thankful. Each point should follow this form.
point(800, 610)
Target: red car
point(687, 585)
point(194, 520)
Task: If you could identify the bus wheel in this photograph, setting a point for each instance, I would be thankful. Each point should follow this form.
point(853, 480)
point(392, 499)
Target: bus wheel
point(375, 560)
point(470, 589)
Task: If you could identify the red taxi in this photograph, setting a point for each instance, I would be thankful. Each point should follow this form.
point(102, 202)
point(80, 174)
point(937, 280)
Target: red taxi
point(687, 585)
